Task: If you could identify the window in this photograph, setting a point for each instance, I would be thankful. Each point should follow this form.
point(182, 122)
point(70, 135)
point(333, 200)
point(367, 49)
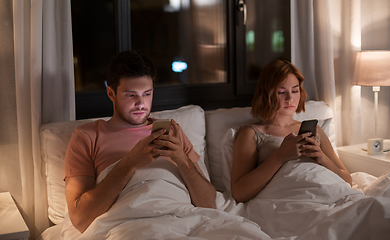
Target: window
point(202, 51)
point(185, 39)
point(265, 36)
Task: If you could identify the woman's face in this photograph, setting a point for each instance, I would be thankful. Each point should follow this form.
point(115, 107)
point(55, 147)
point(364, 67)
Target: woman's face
point(289, 95)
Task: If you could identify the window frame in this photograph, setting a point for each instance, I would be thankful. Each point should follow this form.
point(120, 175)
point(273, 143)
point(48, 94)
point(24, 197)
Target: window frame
point(237, 92)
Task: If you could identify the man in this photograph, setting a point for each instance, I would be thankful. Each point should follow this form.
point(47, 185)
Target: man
point(126, 139)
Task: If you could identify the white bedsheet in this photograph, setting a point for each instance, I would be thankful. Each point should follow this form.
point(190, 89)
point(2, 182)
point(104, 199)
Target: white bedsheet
point(307, 201)
point(156, 205)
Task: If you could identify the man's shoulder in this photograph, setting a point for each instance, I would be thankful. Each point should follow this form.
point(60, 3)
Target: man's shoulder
point(92, 124)
point(91, 127)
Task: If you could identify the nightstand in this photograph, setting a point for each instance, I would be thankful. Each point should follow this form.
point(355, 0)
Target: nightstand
point(12, 225)
point(357, 160)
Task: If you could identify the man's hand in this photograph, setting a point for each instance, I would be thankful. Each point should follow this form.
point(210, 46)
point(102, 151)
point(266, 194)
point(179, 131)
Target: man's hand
point(144, 152)
point(169, 145)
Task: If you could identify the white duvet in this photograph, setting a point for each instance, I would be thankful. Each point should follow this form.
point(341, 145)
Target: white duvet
point(307, 201)
point(156, 205)
point(303, 201)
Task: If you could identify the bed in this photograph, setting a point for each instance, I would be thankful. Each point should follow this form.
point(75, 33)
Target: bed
point(155, 204)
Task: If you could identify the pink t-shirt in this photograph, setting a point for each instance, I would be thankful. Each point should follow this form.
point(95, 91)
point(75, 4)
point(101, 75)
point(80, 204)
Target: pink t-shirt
point(95, 146)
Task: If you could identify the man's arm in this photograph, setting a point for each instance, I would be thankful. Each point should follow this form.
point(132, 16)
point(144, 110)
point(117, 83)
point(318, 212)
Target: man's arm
point(202, 192)
point(86, 201)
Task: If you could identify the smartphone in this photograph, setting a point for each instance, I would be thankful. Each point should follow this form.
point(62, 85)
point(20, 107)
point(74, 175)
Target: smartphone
point(162, 124)
point(308, 126)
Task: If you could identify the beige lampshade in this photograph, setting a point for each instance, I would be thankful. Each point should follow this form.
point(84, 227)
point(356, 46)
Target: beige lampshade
point(372, 68)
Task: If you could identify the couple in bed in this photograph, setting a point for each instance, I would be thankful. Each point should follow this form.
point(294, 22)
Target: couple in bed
point(119, 163)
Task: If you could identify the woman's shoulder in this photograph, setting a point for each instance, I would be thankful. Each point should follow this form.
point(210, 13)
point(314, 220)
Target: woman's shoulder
point(253, 128)
point(256, 130)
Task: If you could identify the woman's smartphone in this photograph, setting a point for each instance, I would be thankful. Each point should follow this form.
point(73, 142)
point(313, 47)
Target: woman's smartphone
point(308, 126)
point(162, 124)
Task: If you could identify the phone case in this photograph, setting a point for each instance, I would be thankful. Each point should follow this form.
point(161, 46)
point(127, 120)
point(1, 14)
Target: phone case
point(308, 126)
point(162, 123)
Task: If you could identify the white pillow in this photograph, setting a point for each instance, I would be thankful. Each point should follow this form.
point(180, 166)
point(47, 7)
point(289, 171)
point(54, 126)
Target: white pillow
point(55, 138)
point(227, 158)
point(321, 111)
point(191, 119)
point(314, 110)
point(217, 123)
point(54, 141)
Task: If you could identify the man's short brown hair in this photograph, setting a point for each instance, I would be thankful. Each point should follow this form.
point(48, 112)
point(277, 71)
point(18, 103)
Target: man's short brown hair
point(127, 64)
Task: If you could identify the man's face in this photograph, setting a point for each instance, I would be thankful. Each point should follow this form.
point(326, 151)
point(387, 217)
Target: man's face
point(133, 100)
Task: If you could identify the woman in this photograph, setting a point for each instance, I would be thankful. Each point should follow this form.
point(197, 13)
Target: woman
point(261, 149)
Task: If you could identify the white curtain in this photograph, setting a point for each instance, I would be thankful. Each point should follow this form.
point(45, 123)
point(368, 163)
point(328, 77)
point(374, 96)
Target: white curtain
point(325, 38)
point(40, 83)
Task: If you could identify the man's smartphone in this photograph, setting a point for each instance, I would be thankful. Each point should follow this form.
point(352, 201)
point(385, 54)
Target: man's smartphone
point(162, 124)
point(308, 126)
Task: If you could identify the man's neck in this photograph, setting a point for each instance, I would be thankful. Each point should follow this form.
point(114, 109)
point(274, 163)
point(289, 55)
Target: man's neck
point(115, 122)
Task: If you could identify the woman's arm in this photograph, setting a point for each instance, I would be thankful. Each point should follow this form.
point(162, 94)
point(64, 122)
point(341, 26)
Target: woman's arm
point(325, 155)
point(247, 180)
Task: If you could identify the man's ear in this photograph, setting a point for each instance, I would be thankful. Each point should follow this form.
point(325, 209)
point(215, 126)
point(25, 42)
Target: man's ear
point(111, 93)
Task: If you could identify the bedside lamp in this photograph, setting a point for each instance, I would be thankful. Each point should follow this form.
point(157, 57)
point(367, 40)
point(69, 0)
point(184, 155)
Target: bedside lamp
point(372, 68)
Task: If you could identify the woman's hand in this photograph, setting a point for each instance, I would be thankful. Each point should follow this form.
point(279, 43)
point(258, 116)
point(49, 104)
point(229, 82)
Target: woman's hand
point(291, 147)
point(324, 154)
point(313, 149)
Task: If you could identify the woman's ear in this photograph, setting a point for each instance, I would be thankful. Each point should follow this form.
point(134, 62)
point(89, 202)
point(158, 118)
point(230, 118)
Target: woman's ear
point(111, 93)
